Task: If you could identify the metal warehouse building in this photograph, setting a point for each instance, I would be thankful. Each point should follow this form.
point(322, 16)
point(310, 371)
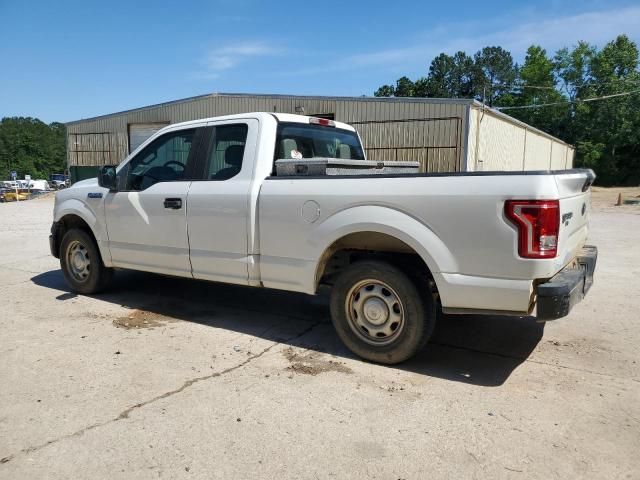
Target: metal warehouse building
point(445, 135)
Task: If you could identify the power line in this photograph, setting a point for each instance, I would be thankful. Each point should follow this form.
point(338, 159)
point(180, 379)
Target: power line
point(593, 99)
point(577, 85)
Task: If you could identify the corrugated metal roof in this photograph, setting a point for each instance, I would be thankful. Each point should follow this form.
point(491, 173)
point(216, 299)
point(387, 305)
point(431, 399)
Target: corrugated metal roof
point(459, 101)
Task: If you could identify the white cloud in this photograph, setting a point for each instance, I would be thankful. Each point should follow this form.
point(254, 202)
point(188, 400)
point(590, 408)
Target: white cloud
point(554, 33)
point(551, 32)
point(227, 57)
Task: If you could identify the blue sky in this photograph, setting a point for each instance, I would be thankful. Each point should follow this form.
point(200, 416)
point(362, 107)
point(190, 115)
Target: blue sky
point(67, 60)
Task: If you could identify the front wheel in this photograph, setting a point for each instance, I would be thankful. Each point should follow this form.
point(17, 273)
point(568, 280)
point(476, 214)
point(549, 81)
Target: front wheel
point(81, 263)
point(379, 312)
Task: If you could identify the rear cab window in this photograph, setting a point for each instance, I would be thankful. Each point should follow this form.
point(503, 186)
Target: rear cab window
point(301, 141)
point(227, 151)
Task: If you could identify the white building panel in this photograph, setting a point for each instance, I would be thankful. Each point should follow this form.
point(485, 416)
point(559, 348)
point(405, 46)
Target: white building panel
point(500, 144)
point(538, 152)
point(558, 156)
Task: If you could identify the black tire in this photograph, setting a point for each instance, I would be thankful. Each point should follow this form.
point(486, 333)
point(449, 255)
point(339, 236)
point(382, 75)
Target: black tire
point(95, 277)
point(381, 343)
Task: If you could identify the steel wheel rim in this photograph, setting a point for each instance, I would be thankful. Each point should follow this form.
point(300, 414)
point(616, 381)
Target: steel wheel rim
point(374, 312)
point(78, 262)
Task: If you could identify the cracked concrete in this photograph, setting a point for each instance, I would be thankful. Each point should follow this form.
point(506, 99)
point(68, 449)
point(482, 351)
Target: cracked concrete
point(225, 383)
point(125, 413)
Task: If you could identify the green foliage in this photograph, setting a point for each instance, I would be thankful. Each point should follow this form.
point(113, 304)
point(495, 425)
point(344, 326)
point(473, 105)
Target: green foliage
point(494, 73)
point(606, 132)
point(536, 85)
point(385, 91)
point(31, 147)
point(451, 76)
point(590, 153)
point(404, 88)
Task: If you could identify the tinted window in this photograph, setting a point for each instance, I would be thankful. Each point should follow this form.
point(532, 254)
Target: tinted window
point(296, 140)
point(227, 152)
point(164, 160)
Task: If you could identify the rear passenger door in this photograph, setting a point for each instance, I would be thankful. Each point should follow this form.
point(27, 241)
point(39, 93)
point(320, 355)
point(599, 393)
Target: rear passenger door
point(219, 214)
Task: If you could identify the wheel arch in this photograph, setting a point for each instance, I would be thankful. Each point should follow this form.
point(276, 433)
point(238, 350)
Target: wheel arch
point(75, 214)
point(379, 230)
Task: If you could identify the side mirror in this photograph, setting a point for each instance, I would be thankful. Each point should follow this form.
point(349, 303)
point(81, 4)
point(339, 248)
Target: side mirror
point(107, 177)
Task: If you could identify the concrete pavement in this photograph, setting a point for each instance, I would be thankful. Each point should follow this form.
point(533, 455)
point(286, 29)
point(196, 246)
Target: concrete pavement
point(172, 378)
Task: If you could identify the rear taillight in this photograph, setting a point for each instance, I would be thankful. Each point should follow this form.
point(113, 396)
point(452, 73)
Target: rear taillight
point(538, 223)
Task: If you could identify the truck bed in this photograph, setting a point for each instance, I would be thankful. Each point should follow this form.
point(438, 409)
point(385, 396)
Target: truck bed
point(454, 221)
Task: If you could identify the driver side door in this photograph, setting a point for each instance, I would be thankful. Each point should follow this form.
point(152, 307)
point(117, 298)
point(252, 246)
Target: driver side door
point(147, 217)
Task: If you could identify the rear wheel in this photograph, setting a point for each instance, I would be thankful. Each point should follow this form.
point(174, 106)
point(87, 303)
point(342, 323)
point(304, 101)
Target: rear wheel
point(379, 313)
point(81, 263)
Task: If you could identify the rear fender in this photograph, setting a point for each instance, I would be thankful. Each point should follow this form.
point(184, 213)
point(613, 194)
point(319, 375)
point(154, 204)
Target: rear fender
point(372, 218)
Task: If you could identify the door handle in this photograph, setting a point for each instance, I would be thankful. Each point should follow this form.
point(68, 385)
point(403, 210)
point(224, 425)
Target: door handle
point(173, 203)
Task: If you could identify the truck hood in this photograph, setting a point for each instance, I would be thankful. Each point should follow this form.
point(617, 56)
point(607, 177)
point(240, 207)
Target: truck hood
point(77, 190)
point(90, 182)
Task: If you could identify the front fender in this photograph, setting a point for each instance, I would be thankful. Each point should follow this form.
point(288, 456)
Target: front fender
point(73, 206)
point(380, 219)
point(94, 219)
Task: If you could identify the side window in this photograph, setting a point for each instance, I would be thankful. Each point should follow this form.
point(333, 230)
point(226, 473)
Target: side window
point(164, 160)
point(226, 152)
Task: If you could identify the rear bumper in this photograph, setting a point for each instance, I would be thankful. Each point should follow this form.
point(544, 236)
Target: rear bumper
point(556, 297)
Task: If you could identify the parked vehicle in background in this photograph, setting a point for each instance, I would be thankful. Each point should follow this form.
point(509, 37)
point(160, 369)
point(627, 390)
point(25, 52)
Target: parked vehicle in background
point(204, 200)
point(59, 181)
point(12, 196)
point(38, 186)
point(13, 190)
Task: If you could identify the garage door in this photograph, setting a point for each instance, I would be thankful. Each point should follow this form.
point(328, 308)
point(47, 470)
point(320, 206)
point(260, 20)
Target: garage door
point(139, 132)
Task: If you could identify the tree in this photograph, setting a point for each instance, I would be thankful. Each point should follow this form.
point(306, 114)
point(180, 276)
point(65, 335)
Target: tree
point(404, 87)
point(573, 69)
point(617, 60)
point(385, 91)
point(31, 147)
point(451, 76)
point(494, 74)
point(616, 121)
point(537, 86)
point(421, 87)
point(605, 131)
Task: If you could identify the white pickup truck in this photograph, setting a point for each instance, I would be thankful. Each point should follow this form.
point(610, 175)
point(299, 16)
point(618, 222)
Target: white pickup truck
point(202, 199)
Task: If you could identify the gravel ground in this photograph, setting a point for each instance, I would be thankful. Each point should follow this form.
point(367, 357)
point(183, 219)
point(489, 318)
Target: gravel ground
point(170, 378)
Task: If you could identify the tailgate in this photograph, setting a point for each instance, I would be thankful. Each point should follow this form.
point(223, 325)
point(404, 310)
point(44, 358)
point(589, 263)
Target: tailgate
point(575, 206)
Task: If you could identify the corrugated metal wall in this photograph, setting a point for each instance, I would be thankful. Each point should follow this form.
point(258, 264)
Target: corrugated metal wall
point(96, 148)
point(434, 136)
point(435, 142)
point(498, 142)
point(429, 132)
point(91, 131)
point(432, 131)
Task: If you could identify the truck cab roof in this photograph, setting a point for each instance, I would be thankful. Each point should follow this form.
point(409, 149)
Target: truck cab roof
point(261, 116)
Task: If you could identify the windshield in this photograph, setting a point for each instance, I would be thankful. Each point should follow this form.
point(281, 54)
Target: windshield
point(299, 141)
